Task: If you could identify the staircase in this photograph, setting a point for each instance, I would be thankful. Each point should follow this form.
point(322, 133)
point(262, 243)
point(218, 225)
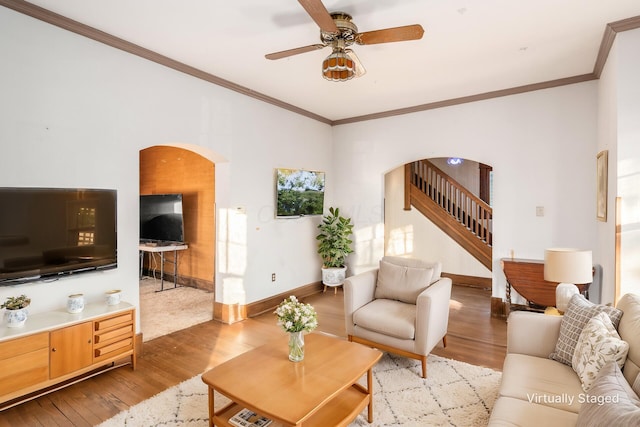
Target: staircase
point(462, 215)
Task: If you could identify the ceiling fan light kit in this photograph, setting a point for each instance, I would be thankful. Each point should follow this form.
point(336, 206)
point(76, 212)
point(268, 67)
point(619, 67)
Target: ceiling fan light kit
point(338, 31)
point(338, 67)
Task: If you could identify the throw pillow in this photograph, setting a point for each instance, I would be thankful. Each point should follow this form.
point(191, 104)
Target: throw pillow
point(401, 283)
point(610, 402)
point(579, 312)
point(598, 344)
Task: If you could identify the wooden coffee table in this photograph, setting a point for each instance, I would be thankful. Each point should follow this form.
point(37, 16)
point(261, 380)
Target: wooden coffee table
point(321, 390)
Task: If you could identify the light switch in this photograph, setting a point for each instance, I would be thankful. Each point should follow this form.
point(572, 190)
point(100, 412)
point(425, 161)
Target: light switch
point(539, 210)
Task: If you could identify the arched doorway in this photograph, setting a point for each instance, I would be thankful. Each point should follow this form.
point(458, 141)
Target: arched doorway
point(184, 170)
point(408, 232)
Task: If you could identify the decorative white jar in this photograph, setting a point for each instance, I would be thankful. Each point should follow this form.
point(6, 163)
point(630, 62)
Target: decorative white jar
point(16, 318)
point(113, 297)
point(75, 303)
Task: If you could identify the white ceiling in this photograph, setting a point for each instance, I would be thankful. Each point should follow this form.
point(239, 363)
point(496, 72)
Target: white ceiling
point(469, 47)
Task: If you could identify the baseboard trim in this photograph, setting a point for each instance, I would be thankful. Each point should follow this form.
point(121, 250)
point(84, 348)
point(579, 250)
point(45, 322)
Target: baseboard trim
point(231, 313)
point(472, 281)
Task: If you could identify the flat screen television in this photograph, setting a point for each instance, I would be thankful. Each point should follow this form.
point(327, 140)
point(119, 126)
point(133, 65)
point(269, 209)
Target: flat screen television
point(51, 232)
point(161, 219)
point(299, 192)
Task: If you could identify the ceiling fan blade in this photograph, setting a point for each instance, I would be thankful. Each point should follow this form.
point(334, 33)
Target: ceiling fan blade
point(360, 70)
point(397, 34)
point(320, 15)
point(295, 51)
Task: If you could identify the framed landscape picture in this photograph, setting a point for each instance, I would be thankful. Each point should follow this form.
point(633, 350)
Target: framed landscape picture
point(601, 190)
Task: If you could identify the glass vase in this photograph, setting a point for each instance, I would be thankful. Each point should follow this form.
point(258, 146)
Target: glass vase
point(296, 346)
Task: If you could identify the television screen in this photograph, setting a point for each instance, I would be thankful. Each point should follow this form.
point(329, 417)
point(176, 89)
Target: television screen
point(161, 219)
point(299, 192)
point(46, 232)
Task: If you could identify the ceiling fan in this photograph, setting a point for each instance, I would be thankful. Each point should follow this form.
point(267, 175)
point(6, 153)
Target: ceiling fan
point(338, 32)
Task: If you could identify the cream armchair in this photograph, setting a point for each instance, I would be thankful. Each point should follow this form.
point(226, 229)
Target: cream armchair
point(401, 307)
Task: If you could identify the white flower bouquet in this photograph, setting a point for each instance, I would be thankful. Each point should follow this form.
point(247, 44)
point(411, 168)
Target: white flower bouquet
point(295, 316)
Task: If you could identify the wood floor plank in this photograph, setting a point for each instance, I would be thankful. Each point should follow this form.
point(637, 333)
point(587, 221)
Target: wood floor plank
point(474, 337)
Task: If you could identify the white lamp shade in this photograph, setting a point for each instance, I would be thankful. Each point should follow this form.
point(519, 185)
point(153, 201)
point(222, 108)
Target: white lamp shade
point(565, 265)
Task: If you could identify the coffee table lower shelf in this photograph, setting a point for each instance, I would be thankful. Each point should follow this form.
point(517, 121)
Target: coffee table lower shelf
point(339, 411)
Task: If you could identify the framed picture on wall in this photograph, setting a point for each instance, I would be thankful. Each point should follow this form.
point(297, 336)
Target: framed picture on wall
point(601, 190)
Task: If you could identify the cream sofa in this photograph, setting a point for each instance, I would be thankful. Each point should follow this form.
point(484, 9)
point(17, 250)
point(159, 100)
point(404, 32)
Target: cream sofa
point(539, 391)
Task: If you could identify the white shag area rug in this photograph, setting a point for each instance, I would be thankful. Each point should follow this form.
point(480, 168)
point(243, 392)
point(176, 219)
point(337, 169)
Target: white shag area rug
point(172, 309)
point(454, 394)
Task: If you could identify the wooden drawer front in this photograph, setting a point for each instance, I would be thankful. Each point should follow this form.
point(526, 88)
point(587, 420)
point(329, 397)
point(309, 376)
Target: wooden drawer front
point(114, 349)
point(121, 332)
point(24, 345)
point(106, 323)
point(24, 370)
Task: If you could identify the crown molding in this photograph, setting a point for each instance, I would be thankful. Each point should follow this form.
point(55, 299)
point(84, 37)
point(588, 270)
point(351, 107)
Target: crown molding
point(609, 36)
point(79, 28)
point(470, 98)
point(84, 30)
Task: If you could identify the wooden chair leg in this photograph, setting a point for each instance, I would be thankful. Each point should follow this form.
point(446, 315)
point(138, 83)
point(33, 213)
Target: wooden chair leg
point(444, 340)
point(325, 289)
point(424, 366)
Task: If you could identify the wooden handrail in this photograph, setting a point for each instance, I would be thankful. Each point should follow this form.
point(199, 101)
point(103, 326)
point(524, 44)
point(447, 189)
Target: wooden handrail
point(466, 208)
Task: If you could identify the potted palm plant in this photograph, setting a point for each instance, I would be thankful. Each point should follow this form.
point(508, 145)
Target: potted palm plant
point(16, 313)
point(334, 244)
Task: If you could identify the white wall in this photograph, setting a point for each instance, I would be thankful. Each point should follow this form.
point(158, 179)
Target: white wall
point(628, 156)
point(541, 146)
point(75, 113)
point(604, 250)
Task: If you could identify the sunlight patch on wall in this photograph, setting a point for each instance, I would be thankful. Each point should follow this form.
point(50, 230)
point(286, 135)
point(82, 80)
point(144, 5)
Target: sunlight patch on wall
point(400, 241)
point(368, 244)
point(232, 254)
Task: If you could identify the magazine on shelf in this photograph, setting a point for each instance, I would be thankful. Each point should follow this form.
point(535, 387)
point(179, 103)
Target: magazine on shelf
point(248, 418)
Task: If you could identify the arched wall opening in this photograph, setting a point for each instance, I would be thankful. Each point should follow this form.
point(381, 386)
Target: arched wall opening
point(190, 171)
point(409, 233)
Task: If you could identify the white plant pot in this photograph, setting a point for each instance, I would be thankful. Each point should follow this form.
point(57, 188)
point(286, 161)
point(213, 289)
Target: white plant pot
point(333, 276)
point(15, 318)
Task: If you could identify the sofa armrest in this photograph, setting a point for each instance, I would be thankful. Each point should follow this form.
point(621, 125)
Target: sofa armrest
point(358, 291)
point(432, 314)
point(534, 334)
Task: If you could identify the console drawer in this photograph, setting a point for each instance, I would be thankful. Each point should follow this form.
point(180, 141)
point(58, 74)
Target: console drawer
point(114, 349)
point(107, 323)
point(24, 362)
point(121, 332)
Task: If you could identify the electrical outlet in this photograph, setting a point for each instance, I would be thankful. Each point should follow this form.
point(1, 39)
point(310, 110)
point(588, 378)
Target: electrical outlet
point(273, 277)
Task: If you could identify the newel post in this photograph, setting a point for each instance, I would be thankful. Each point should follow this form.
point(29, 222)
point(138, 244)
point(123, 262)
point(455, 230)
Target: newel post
point(407, 187)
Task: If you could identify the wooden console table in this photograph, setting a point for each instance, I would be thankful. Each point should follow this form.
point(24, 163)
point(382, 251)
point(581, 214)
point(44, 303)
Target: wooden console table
point(55, 347)
point(526, 276)
point(320, 391)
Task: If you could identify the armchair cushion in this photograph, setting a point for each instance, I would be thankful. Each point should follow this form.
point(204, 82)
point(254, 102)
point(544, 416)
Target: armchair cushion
point(388, 317)
point(401, 283)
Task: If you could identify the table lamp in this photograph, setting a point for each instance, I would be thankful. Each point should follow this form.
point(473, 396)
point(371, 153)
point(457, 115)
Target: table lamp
point(568, 267)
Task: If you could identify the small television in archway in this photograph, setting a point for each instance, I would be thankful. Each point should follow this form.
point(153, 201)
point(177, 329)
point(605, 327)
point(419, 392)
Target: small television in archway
point(161, 219)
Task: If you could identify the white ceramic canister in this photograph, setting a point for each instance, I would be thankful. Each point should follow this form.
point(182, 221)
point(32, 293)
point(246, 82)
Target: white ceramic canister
point(113, 297)
point(75, 303)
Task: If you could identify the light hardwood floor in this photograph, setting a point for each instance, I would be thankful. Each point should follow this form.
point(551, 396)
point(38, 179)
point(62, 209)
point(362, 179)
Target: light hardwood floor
point(474, 337)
